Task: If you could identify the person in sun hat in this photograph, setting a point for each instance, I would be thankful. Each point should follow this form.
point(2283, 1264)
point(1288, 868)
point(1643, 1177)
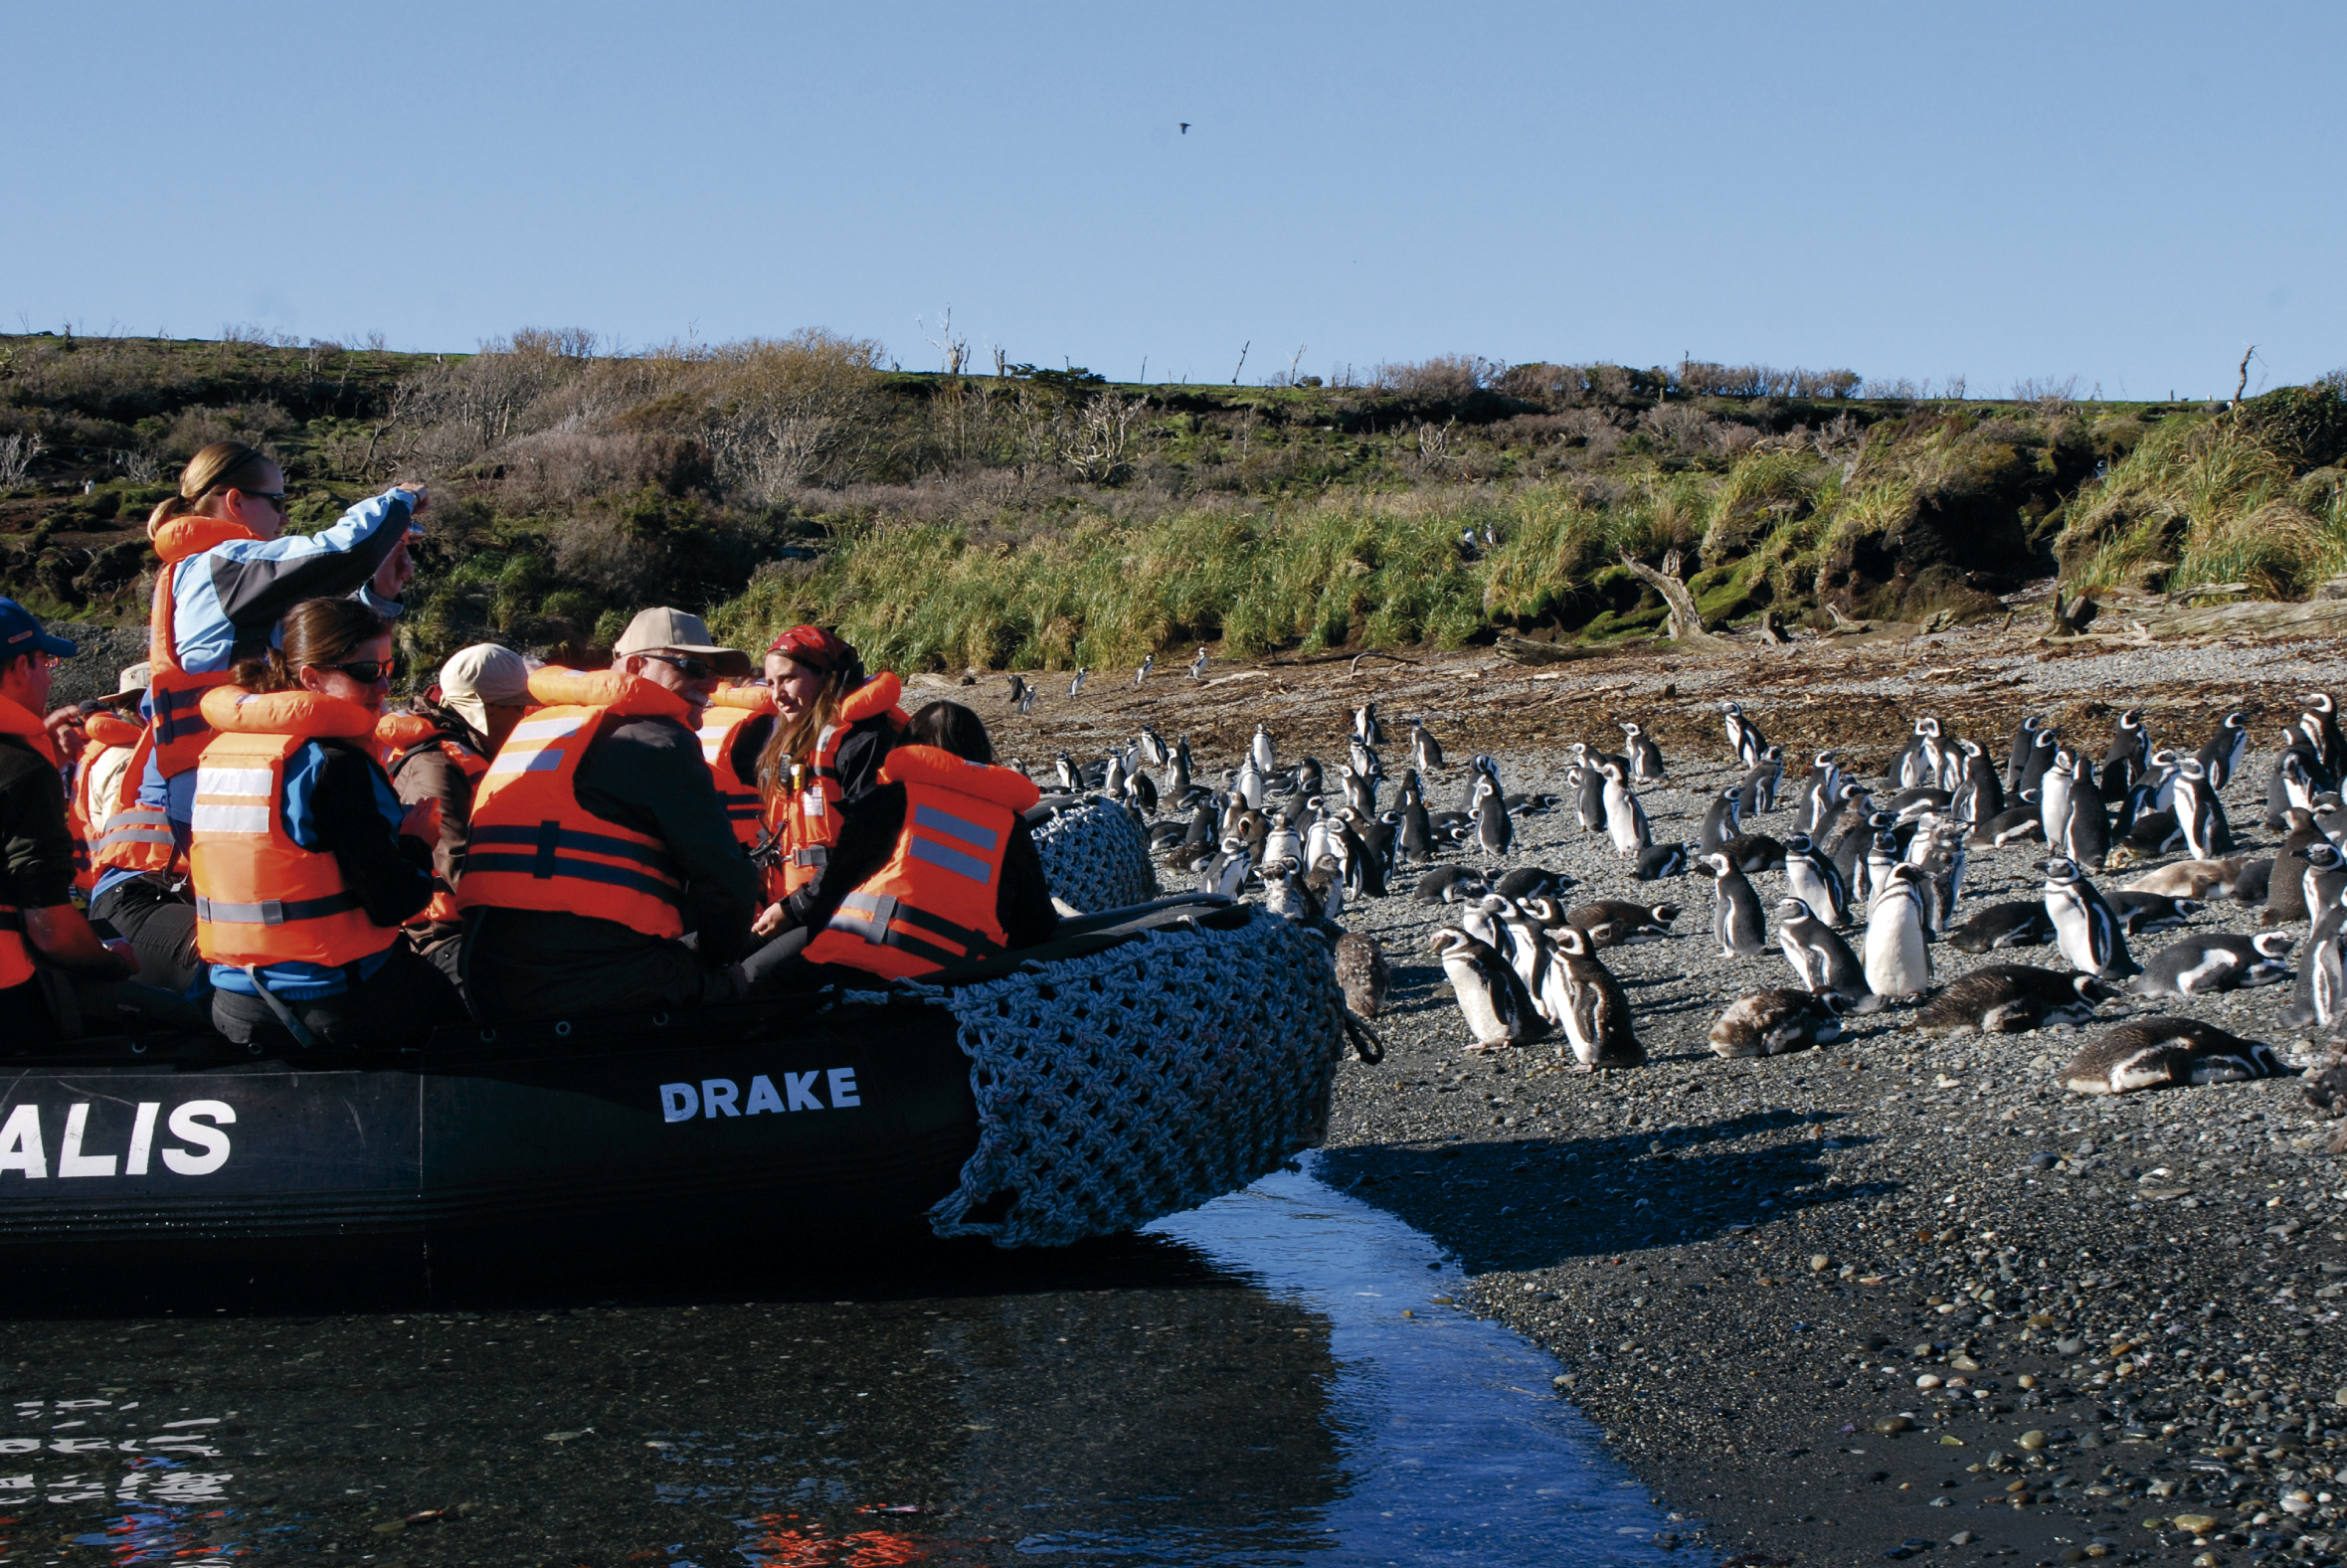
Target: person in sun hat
point(438, 750)
point(599, 844)
point(59, 977)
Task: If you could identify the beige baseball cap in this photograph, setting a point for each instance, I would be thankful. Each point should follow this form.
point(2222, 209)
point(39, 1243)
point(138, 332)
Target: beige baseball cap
point(482, 677)
point(135, 677)
point(666, 630)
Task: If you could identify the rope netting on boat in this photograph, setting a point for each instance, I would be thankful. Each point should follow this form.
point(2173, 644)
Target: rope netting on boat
point(1095, 855)
point(1144, 1079)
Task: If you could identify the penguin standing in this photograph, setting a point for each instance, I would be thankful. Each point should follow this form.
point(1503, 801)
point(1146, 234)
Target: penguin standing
point(1721, 823)
point(1744, 736)
point(1495, 831)
point(2128, 756)
point(1415, 839)
point(2219, 759)
point(1818, 955)
point(1366, 725)
point(1149, 661)
point(1625, 818)
point(1646, 758)
point(1811, 878)
point(1757, 791)
point(1425, 752)
point(1898, 958)
point(2322, 720)
point(2199, 816)
point(2054, 786)
point(1736, 921)
point(1076, 685)
point(2024, 742)
point(2086, 828)
point(1589, 797)
point(2314, 993)
point(1588, 1002)
point(1260, 750)
point(1489, 993)
point(2085, 928)
point(2042, 745)
point(1197, 665)
point(1821, 796)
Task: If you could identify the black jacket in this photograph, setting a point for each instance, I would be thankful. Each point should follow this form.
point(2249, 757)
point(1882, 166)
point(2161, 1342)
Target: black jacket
point(36, 846)
point(1022, 899)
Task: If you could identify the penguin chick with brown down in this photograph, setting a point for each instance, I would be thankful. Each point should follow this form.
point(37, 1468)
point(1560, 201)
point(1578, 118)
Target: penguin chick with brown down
point(2160, 1053)
point(1362, 973)
point(1580, 993)
point(2008, 998)
point(1773, 1022)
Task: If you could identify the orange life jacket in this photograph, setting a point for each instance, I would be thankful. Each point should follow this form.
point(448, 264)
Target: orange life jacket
point(174, 695)
point(400, 738)
point(534, 846)
point(107, 732)
point(137, 838)
point(16, 953)
point(260, 898)
point(730, 707)
point(933, 903)
point(803, 814)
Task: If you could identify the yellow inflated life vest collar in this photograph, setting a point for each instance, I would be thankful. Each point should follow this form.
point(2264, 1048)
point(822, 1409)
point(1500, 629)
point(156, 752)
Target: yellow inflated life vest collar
point(232, 710)
point(107, 729)
point(757, 699)
point(181, 537)
point(930, 765)
point(629, 696)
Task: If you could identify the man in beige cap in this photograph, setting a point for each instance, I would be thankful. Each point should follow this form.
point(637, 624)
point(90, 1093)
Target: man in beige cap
point(488, 687)
point(644, 773)
point(671, 649)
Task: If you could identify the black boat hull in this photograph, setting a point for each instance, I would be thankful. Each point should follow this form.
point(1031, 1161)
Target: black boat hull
point(751, 1131)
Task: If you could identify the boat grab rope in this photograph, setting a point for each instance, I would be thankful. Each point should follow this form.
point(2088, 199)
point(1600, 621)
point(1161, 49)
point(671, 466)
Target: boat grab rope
point(1142, 1081)
point(1095, 856)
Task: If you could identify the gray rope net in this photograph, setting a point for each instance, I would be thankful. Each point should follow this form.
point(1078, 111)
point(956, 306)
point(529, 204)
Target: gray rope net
point(1095, 856)
point(1142, 1081)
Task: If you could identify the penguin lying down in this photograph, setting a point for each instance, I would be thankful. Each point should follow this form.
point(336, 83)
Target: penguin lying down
point(2160, 1053)
point(1773, 1022)
point(2200, 965)
point(2008, 998)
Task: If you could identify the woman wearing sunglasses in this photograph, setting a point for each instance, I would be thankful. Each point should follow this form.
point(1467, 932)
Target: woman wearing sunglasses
point(229, 570)
point(306, 862)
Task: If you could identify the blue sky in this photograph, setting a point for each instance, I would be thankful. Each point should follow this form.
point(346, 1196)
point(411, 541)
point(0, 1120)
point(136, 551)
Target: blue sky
point(2129, 194)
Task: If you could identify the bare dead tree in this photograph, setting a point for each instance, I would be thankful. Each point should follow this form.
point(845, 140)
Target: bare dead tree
point(2241, 387)
point(1242, 363)
point(955, 350)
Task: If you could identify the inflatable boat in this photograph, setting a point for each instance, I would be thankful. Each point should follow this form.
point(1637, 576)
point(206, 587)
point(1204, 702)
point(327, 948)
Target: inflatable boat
point(1148, 1060)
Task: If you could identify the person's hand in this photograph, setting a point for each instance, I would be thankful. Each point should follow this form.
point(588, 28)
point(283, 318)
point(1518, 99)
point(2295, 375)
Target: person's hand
point(67, 731)
point(770, 922)
point(422, 821)
point(124, 952)
point(419, 498)
point(393, 575)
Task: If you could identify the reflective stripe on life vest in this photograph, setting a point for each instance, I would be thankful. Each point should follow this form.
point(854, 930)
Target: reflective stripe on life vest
point(729, 709)
point(935, 902)
point(261, 898)
point(175, 696)
point(534, 846)
point(801, 813)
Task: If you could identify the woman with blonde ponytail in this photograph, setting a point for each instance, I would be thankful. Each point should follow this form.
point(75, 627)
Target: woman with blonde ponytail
point(228, 571)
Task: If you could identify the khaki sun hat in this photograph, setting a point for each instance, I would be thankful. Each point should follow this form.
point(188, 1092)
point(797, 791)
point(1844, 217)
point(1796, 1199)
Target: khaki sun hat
point(666, 630)
point(482, 677)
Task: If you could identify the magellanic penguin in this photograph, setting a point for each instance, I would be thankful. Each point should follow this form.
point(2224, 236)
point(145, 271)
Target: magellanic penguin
point(1366, 725)
point(1811, 878)
point(1495, 829)
point(1614, 923)
point(2219, 759)
point(1498, 1011)
point(2041, 748)
point(1721, 823)
point(2015, 825)
point(2128, 757)
point(2024, 742)
point(1625, 818)
point(2010, 998)
point(2206, 962)
point(1898, 960)
point(1646, 758)
point(1736, 920)
point(1657, 861)
point(2321, 989)
point(2085, 823)
point(1587, 1001)
point(1821, 797)
point(1757, 790)
point(2285, 889)
point(1531, 882)
point(2195, 879)
point(2200, 815)
point(1744, 741)
point(2141, 914)
point(1588, 781)
point(1773, 1022)
point(1821, 958)
point(1425, 750)
point(2053, 796)
point(1979, 794)
point(2015, 924)
point(2328, 739)
point(2157, 1053)
point(2085, 928)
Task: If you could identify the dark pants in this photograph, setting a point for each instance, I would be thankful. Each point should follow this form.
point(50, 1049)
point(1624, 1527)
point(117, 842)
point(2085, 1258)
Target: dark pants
point(160, 926)
point(398, 1006)
point(514, 971)
point(57, 1006)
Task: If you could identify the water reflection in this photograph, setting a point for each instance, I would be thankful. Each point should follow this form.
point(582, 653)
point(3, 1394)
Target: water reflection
point(1238, 1386)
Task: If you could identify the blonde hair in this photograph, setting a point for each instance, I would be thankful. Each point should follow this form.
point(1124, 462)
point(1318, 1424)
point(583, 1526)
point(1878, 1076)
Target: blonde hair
point(221, 466)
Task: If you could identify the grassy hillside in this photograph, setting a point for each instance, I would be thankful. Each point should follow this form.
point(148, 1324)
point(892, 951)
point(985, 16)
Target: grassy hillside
point(1046, 518)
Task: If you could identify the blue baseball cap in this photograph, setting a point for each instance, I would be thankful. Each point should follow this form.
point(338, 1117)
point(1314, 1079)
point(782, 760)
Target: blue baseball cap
point(21, 634)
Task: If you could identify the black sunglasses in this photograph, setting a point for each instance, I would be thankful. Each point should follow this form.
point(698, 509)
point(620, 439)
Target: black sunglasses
point(275, 498)
point(692, 668)
point(366, 672)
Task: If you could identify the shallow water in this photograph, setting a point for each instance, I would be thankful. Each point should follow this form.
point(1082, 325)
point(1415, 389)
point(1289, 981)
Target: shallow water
point(1238, 1385)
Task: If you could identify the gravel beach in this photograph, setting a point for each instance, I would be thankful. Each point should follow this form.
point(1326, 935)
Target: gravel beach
point(1904, 1294)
